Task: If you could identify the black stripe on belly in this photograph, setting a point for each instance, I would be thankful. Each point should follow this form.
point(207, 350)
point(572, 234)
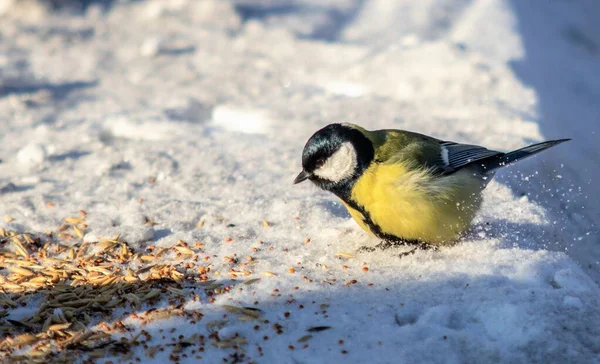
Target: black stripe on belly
point(376, 230)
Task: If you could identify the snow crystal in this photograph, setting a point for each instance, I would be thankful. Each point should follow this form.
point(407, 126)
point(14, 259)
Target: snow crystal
point(150, 47)
point(32, 153)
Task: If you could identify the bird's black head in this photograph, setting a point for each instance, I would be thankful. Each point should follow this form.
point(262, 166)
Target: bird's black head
point(334, 157)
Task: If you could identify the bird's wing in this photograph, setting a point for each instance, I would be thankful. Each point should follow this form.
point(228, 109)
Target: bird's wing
point(420, 151)
point(455, 155)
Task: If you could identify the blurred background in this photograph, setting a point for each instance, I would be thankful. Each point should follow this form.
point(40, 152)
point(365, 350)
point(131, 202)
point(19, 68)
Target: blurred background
point(492, 72)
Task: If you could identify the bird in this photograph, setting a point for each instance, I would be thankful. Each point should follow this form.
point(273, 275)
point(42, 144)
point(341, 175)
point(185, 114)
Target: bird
point(403, 187)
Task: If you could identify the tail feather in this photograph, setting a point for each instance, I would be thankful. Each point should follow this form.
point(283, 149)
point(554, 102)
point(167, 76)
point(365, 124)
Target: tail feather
point(519, 154)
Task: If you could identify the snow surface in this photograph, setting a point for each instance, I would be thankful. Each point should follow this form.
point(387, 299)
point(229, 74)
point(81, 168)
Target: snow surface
point(188, 111)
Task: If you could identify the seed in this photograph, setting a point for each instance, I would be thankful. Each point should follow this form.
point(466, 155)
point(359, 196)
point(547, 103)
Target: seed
point(109, 280)
point(59, 327)
point(21, 271)
point(38, 280)
point(124, 252)
point(130, 279)
point(102, 246)
point(184, 250)
point(304, 338)
point(28, 238)
point(153, 293)
point(19, 248)
point(318, 328)
point(82, 250)
point(78, 232)
point(113, 303)
point(74, 220)
point(33, 285)
point(12, 287)
point(25, 339)
point(99, 269)
point(8, 302)
point(245, 318)
point(345, 255)
point(233, 309)
point(252, 312)
point(269, 274)
point(77, 338)
point(365, 269)
point(177, 291)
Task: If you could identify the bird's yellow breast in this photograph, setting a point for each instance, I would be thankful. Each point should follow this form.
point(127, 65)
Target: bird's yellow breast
point(415, 205)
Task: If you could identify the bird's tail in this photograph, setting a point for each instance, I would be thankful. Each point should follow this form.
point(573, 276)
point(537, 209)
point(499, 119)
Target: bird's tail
point(519, 154)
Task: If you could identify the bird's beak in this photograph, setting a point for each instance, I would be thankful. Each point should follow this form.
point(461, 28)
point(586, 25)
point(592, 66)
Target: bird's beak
point(302, 176)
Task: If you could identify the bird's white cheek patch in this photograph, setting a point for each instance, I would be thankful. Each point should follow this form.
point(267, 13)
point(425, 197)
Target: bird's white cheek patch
point(340, 165)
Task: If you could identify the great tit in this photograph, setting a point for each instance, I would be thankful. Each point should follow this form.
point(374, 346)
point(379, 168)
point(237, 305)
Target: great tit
point(404, 187)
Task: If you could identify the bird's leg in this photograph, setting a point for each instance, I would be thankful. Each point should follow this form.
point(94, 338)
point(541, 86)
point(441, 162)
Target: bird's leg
point(410, 252)
point(387, 244)
point(366, 249)
point(421, 247)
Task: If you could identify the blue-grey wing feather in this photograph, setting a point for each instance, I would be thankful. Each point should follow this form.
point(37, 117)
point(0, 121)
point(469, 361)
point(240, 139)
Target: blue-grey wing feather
point(455, 155)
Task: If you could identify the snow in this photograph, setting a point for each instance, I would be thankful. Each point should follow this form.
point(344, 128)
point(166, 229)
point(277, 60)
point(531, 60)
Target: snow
point(184, 121)
point(32, 154)
point(243, 120)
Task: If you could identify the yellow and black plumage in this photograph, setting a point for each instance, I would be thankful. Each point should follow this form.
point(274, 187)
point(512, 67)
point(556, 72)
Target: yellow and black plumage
point(405, 187)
